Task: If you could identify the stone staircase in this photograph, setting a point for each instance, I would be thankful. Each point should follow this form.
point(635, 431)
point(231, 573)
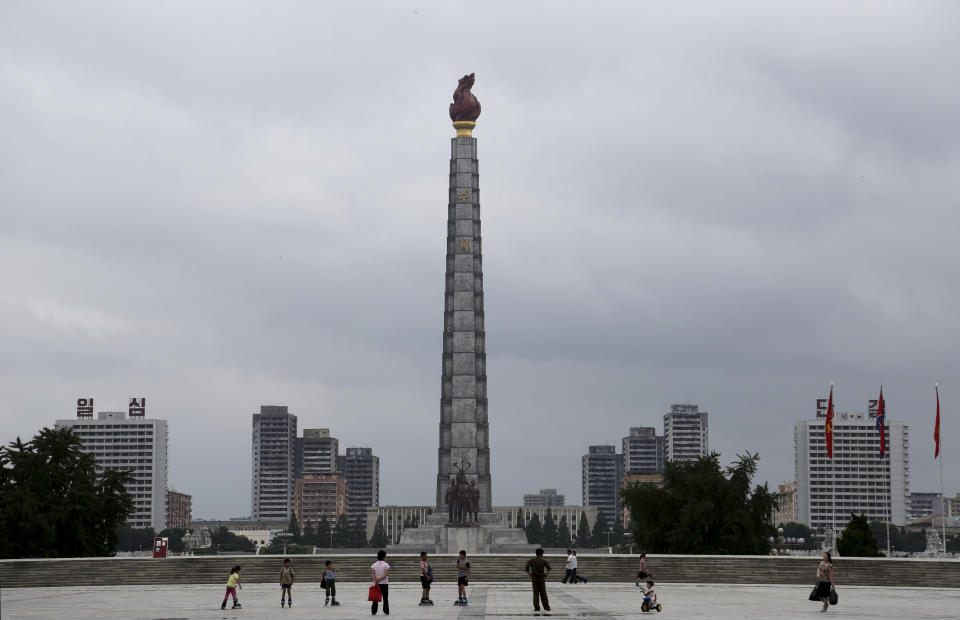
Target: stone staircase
point(485, 568)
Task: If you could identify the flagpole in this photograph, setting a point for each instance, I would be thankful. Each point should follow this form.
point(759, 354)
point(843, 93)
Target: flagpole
point(886, 453)
point(943, 497)
point(889, 500)
point(833, 476)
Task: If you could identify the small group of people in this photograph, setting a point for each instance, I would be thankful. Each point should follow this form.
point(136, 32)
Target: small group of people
point(380, 574)
point(537, 568)
point(287, 577)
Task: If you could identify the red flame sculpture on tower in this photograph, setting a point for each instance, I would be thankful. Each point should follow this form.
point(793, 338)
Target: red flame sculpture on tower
point(465, 106)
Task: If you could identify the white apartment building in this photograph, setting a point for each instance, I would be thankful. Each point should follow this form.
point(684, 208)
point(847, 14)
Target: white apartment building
point(856, 480)
point(643, 451)
point(274, 462)
point(686, 434)
point(135, 444)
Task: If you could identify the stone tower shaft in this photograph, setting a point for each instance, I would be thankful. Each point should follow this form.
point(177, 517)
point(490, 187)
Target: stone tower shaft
point(464, 430)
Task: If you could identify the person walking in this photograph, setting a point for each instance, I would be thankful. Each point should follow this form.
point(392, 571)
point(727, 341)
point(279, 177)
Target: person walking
point(576, 577)
point(825, 580)
point(380, 573)
point(568, 568)
point(643, 574)
point(539, 569)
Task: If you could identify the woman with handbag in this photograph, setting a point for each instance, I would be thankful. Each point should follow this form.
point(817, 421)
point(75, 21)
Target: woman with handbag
point(825, 580)
point(380, 573)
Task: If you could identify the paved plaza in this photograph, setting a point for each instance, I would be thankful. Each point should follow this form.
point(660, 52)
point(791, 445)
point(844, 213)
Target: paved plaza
point(487, 600)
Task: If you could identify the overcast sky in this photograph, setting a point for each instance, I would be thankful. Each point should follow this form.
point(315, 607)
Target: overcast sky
point(219, 205)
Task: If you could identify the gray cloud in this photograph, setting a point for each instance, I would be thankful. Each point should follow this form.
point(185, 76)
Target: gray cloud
point(228, 205)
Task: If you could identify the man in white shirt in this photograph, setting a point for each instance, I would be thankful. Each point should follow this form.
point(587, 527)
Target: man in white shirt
point(380, 573)
point(576, 577)
point(568, 566)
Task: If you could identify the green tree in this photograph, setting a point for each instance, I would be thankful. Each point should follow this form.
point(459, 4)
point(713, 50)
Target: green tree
point(379, 539)
point(953, 544)
point(703, 509)
point(134, 538)
point(549, 529)
point(358, 535)
point(796, 530)
point(174, 538)
point(307, 536)
point(799, 530)
point(563, 533)
point(534, 530)
point(223, 540)
point(342, 536)
point(900, 538)
point(857, 540)
point(583, 532)
point(599, 534)
point(294, 528)
point(54, 504)
point(323, 533)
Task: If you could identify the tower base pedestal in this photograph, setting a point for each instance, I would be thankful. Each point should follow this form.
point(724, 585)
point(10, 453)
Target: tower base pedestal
point(489, 535)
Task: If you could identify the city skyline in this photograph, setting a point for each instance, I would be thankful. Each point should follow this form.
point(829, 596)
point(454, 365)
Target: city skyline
point(211, 209)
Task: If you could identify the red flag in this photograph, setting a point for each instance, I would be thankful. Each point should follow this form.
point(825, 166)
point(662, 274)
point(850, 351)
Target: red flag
point(936, 428)
point(882, 423)
point(829, 425)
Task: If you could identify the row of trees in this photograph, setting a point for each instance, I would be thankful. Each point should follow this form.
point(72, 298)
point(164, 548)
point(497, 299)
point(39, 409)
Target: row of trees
point(341, 534)
point(53, 503)
point(553, 533)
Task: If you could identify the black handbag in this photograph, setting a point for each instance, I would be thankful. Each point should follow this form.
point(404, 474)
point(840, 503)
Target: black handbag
point(833, 596)
point(813, 594)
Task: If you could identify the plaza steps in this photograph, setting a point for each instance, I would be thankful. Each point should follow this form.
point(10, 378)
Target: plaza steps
point(485, 568)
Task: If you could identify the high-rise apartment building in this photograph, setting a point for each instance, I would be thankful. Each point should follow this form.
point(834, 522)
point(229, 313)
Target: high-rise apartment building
point(274, 461)
point(685, 433)
point(856, 480)
point(361, 469)
point(546, 497)
point(317, 451)
point(319, 495)
point(786, 509)
point(926, 505)
point(602, 471)
point(179, 510)
point(135, 444)
point(643, 451)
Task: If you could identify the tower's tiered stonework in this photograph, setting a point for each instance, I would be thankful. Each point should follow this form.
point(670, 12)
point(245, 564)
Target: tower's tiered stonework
point(464, 431)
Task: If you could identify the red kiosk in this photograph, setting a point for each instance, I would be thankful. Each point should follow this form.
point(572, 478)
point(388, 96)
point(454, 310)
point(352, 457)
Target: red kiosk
point(159, 547)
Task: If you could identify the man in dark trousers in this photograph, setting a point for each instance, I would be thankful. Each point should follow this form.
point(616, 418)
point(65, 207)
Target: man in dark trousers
point(539, 570)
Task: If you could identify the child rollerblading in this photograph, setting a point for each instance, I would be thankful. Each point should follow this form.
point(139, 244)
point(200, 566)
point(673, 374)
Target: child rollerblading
point(426, 578)
point(463, 578)
point(286, 583)
point(330, 581)
point(232, 584)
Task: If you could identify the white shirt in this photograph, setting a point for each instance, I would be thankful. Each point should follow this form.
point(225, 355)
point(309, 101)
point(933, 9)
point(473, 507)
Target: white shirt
point(569, 562)
point(573, 562)
point(379, 570)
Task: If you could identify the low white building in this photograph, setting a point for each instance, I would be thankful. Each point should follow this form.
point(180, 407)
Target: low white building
point(856, 480)
point(135, 444)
